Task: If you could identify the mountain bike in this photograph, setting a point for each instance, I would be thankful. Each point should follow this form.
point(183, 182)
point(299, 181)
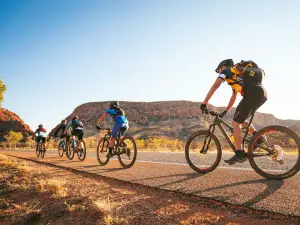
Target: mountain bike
point(125, 148)
point(278, 157)
point(76, 146)
point(62, 147)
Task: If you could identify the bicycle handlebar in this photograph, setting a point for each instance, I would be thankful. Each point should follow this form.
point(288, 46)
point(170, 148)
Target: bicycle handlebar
point(213, 113)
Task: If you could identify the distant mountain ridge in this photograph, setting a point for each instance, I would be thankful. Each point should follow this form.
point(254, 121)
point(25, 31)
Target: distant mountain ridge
point(176, 119)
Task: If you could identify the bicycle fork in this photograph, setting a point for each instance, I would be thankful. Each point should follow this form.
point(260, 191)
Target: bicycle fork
point(207, 140)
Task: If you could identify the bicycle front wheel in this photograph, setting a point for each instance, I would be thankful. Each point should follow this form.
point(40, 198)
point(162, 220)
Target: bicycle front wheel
point(127, 152)
point(81, 153)
point(203, 151)
point(102, 151)
point(61, 149)
point(274, 152)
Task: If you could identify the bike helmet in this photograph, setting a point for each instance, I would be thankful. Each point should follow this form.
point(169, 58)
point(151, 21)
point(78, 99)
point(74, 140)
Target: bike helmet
point(114, 104)
point(64, 121)
point(40, 126)
point(226, 62)
point(75, 118)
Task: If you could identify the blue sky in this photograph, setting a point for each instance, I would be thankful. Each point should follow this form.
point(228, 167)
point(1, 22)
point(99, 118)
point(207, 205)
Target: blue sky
point(58, 54)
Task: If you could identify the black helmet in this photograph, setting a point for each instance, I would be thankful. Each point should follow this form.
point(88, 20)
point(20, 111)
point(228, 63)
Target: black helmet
point(226, 62)
point(75, 118)
point(63, 121)
point(40, 126)
point(114, 104)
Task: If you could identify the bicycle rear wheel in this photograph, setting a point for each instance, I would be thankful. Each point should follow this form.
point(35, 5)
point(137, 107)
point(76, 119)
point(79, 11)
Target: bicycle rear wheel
point(203, 151)
point(127, 152)
point(81, 152)
point(278, 157)
point(102, 150)
point(37, 150)
point(43, 150)
point(61, 148)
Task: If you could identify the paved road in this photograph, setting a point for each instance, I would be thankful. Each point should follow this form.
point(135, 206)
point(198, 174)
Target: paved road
point(169, 171)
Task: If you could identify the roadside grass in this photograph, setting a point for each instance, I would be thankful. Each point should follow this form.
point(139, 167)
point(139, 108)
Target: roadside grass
point(32, 183)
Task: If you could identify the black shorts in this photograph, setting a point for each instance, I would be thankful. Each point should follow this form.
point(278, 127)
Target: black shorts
point(77, 132)
point(40, 138)
point(251, 101)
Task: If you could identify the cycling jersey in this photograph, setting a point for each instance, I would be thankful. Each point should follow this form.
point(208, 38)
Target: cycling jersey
point(41, 132)
point(75, 124)
point(235, 81)
point(117, 117)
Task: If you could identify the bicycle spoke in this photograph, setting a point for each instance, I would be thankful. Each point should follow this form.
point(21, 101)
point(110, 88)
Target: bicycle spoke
point(127, 152)
point(203, 152)
point(102, 151)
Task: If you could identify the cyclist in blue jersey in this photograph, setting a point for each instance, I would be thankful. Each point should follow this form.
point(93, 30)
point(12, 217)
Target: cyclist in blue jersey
point(120, 120)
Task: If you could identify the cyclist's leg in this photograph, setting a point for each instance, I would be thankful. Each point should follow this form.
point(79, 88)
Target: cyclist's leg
point(124, 128)
point(114, 133)
point(43, 141)
point(248, 105)
point(242, 112)
point(79, 134)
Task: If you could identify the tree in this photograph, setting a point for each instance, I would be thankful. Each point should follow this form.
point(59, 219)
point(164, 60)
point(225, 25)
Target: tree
point(13, 138)
point(2, 90)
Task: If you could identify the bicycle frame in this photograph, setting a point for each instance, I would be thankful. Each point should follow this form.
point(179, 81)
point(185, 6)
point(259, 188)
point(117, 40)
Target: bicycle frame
point(108, 135)
point(218, 122)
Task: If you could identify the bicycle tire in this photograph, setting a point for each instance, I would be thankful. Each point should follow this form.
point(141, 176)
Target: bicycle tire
point(43, 150)
point(260, 171)
point(60, 149)
point(206, 133)
point(70, 151)
point(123, 164)
point(100, 149)
point(82, 157)
point(37, 150)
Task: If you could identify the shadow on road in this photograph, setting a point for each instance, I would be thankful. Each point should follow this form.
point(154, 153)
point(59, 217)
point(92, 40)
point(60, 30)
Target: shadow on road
point(186, 177)
point(272, 186)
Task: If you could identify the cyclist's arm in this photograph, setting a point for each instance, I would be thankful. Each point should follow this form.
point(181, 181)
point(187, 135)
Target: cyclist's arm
point(68, 126)
point(101, 118)
point(232, 100)
point(212, 90)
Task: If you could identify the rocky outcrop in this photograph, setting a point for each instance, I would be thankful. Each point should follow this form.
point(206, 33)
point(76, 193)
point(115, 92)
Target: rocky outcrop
point(176, 119)
point(10, 121)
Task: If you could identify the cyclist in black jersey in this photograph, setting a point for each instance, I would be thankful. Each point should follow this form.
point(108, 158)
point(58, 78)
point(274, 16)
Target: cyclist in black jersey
point(62, 126)
point(254, 96)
